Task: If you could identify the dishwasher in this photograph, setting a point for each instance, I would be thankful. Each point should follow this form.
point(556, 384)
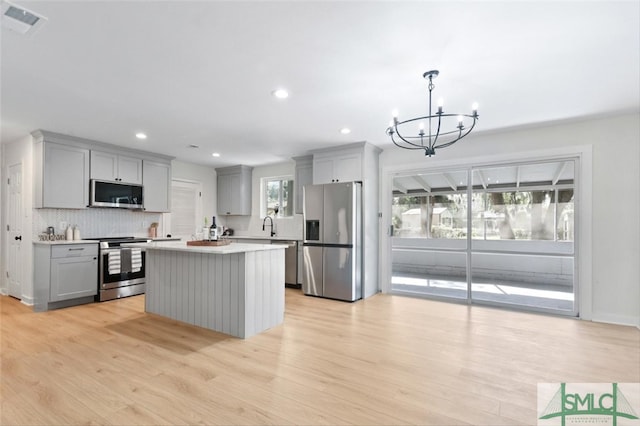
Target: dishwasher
point(290, 263)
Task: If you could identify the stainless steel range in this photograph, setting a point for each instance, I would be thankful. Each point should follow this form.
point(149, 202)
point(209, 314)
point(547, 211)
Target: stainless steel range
point(122, 269)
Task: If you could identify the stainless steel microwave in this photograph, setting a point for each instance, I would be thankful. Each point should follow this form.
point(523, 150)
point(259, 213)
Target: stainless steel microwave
point(115, 194)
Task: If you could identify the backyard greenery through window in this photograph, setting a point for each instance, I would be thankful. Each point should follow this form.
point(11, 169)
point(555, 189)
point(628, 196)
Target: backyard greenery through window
point(509, 215)
point(278, 197)
point(532, 201)
point(430, 216)
point(524, 215)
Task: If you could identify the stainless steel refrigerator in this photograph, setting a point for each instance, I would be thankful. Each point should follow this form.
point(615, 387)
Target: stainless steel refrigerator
point(332, 246)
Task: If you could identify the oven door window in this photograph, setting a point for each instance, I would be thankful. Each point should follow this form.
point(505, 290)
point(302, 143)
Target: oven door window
point(114, 272)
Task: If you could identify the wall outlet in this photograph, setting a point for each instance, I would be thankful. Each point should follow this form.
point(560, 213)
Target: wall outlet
point(63, 227)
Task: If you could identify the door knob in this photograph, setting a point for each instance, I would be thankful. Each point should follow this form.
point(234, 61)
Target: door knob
point(19, 237)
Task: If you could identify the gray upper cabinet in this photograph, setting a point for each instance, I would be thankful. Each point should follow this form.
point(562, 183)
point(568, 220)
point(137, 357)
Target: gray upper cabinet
point(115, 167)
point(304, 176)
point(157, 186)
point(234, 190)
point(61, 175)
point(63, 166)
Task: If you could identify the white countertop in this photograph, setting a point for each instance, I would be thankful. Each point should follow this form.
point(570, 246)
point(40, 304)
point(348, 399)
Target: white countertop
point(228, 249)
point(62, 242)
point(264, 237)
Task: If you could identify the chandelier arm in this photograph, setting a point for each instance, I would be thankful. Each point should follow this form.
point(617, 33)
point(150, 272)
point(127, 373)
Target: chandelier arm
point(426, 117)
point(402, 146)
point(406, 140)
point(462, 136)
point(432, 145)
point(457, 130)
point(444, 145)
point(456, 115)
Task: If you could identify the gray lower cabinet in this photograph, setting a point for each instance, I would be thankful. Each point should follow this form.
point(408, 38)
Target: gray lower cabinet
point(292, 257)
point(65, 275)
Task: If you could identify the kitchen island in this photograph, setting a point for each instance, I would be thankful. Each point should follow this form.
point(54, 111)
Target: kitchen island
point(237, 289)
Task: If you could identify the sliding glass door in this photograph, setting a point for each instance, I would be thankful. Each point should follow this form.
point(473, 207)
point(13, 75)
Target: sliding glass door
point(429, 242)
point(505, 239)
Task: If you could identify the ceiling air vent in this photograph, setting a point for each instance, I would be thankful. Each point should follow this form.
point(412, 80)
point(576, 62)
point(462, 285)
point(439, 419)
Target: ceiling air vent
point(19, 19)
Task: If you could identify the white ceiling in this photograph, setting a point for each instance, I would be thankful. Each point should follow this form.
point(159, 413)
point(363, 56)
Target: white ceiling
point(202, 72)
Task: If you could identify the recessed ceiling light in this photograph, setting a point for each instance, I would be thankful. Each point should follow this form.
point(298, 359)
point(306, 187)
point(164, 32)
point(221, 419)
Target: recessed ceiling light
point(280, 93)
point(141, 135)
point(216, 154)
point(345, 131)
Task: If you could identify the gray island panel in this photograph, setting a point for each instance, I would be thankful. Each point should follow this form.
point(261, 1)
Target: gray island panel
point(236, 289)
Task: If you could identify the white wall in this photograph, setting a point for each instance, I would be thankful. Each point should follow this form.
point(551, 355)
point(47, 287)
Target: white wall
point(614, 238)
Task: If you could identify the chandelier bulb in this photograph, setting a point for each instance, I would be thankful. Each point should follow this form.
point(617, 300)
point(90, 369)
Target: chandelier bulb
point(394, 113)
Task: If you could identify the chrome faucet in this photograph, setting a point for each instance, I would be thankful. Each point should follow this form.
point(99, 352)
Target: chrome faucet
point(273, 233)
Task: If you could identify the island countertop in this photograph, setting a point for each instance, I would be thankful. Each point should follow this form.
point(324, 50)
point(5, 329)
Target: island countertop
point(182, 246)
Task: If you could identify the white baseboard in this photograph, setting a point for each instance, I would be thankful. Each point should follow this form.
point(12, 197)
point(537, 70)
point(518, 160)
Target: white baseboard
point(27, 301)
point(616, 319)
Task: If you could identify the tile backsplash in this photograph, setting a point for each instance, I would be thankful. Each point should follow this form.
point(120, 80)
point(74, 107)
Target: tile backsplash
point(251, 226)
point(97, 222)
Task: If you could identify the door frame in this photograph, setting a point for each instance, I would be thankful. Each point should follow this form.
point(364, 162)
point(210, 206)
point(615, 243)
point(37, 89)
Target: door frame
point(583, 175)
point(19, 151)
point(20, 267)
point(198, 208)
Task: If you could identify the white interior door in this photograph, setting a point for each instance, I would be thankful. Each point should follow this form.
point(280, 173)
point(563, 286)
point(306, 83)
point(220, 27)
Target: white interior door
point(14, 231)
point(186, 208)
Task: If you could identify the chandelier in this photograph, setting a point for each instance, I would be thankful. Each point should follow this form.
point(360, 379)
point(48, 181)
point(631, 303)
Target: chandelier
point(434, 130)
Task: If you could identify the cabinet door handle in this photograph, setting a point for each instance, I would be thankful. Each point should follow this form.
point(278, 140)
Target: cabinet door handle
point(76, 249)
point(18, 238)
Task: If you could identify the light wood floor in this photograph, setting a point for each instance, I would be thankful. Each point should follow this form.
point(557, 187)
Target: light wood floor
point(386, 360)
